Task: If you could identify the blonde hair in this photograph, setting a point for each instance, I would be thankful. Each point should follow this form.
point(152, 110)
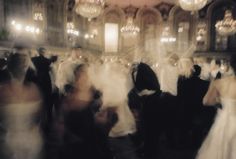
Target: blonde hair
point(185, 67)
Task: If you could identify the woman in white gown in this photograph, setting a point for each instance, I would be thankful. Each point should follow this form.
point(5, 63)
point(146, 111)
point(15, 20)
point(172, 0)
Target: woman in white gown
point(20, 105)
point(221, 140)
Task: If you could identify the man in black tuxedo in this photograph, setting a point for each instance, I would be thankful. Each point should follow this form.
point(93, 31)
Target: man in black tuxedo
point(196, 118)
point(42, 65)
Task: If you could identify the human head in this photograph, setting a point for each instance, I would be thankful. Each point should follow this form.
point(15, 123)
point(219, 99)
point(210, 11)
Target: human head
point(225, 66)
point(76, 52)
point(18, 64)
point(173, 59)
point(6, 54)
point(42, 51)
point(215, 64)
point(146, 78)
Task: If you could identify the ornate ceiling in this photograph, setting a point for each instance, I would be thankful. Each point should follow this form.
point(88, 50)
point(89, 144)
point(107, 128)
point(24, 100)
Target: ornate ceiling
point(138, 3)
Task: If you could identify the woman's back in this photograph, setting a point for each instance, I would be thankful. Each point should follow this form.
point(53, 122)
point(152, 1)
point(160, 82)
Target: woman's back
point(221, 140)
point(226, 87)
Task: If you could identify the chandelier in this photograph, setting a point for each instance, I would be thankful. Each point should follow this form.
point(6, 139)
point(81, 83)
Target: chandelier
point(226, 26)
point(130, 29)
point(201, 32)
point(90, 8)
point(192, 5)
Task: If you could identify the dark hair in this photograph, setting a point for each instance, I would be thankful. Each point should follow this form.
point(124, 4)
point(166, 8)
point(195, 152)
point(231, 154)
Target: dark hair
point(233, 62)
point(145, 78)
point(41, 50)
point(197, 70)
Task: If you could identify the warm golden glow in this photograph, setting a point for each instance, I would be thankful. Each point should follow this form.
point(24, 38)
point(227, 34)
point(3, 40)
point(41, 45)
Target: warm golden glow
point(111, 37)
point(38, 16)
point(227, 26)
point(192, 5)
point(90, 8)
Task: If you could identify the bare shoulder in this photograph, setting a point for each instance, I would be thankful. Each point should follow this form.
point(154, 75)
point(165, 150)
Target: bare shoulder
point(223, 81)
point(226, 83)
point(227, 80)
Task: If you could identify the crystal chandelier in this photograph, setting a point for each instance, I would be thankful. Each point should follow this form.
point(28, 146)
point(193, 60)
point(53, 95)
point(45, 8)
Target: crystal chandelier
point(201, 32)
point(130, 29)
point(226, 26)
point(90, 8)
point(192, 5)
point(38, 16)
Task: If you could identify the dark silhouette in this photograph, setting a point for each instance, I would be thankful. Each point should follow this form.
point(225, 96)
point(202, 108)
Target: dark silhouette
point(4, 75)
point(85, 128)
point(196, 119)
point(43, 81)
point(149, 122)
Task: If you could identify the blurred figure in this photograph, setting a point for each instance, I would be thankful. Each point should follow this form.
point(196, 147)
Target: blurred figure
point(185, 67)
point(145, 98)
point(168, 83)
point(169, 75)
point(83, 137)
point(205, 67)
point(4, 75)
point(226, 70)
point(221, 140)
point(215, 69)
point(65, 73)
point(42, 65)
point(20, 106)
point(112, 79)
point(196, 120)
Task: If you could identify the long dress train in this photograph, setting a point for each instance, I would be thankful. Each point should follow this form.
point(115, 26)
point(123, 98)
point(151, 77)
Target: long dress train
point(221, 140)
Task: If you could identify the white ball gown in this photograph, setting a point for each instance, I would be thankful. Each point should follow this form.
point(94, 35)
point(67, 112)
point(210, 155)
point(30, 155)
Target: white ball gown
point(221, 140)
point(23, 139)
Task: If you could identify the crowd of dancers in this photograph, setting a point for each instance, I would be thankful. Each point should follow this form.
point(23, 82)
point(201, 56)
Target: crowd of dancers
point(76, 107)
